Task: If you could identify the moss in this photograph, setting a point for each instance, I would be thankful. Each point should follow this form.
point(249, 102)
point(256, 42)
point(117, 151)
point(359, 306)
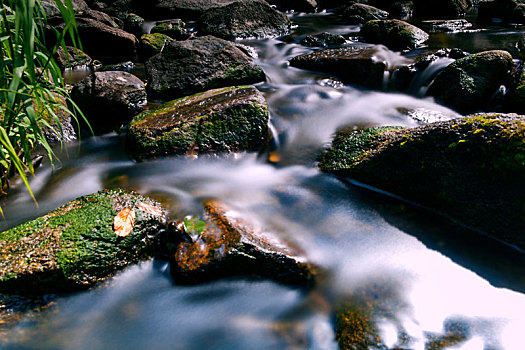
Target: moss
point(355, 330)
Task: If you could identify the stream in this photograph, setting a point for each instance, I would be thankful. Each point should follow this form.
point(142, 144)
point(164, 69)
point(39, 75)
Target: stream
point(425, 272)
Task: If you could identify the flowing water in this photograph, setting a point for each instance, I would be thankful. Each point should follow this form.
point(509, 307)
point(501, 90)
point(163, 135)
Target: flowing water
point(426, 273)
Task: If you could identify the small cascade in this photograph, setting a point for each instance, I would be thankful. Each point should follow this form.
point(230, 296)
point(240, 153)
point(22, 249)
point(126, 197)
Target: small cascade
point(421, 82)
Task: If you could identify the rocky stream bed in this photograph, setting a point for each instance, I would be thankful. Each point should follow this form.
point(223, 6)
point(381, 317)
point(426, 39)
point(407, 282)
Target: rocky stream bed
point(279, 175)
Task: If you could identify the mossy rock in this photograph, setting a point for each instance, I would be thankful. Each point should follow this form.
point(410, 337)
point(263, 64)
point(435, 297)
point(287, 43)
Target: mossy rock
point(75, 246)
point(230, 119)
point(152, 44)
point(174, 28)
point(468, 84)
point(397, 35)
point(354, 13)
point(471, 169)
point(226, 244)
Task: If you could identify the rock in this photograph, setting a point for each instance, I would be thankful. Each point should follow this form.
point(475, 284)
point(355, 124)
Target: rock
point(229, 119)
point(358, 65)
point(515, 98)
point(109, 99)
point(520, 45)
point(133, 24)
point(123, 8)
point(468, 84)
point(186, 9)
point(229, 245)
point(295, 5)
point(355, 329)
point(102, 41)
point(71, 58)
point(51, 8)
point(60, 127)
point(354, 13)
point(330, 4)
point(441, 9)
point(152, 44)
point(237, 20)
point(471, 169)
point(448, 25)
point(395, 34)
point(323, 40)
point(174, 28)
point(402, 10)
point(191, 66)
point(75, 246)
point(98, 16)
point(510, 11)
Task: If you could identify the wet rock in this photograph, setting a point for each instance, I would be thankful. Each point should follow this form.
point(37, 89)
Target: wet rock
point(510, 11)
point(186, 9)
point(59, 127)
point(174, 28)
point(152, 44)
point(75, 246)
point(354, 13)
point(441, 9)
point(109, 99)
point(102, 41)
point(358, 65)
point(471, 169)
point(468, 84)
point(295, 5)
point(450, 25)
point(229, 119)
point(187, 67)
point(323, 40)
point(237, 20)
point(395, 34)
point(71, 58)
point(229, 245)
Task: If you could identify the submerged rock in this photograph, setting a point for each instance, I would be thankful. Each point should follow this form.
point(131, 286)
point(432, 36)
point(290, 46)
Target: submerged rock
point(230, 119)
point(355, 13)
point(360, 65)
point(109, 99)
point(469, 83)
point(191, 66)
point(75, 246)
point(323, 40)
point(471, 169)
point(244, 19)
point(226, 244)
point(395, 34)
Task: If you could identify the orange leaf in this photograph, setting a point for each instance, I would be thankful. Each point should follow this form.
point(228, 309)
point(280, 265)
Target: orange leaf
point(150, 209)
point(124, 221)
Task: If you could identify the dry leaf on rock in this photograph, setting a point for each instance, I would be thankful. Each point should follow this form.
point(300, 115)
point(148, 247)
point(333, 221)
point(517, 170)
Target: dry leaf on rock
point(150, 209)
point(123, 222)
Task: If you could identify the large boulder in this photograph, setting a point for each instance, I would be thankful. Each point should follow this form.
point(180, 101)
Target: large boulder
point(101, 40)
point(186, 9)
point(468, 84)
point(229, 119)
point(360, 65)
point(397, 35)
point(109, 99)
point(243, 19)
point(191, 66)
point(354, 13)
point(227, 244)
point(76, 245)
point(471, 169)
point(512, 11)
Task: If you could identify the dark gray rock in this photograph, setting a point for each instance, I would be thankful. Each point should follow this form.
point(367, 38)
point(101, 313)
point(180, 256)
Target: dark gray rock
point(471, 169)
point(402, 10)
point(395, 34)
point(243, 19)
point(354, 13)
point(510, 11)
point(186, 9)
point(468, 84)
point(187, 67)
point(71, 57)
point(222, 120)
point(353, 65)
point(109, 99)
point(323, 40)
point(75, 246)
point(51, 9)
point(295, 5)
point(226, 244)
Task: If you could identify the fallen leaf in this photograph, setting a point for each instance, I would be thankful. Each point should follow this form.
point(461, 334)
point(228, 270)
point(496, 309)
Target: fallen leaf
point(124, 221)
point(150, 209)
